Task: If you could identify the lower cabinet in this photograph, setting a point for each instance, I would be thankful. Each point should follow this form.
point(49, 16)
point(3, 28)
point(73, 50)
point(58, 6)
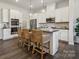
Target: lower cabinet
point(6, 34)
point(64, 35)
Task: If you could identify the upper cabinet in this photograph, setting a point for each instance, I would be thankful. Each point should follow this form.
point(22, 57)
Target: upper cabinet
point(41, 18)
point(5, 15)
point(0, 15)
point(12, 13)
point(62, 14)
point(15, 14)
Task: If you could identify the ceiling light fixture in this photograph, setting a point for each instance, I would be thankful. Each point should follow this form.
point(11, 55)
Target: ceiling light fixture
point(35, 14)
point(31, 6)
point(17, 0)
point(43, 10)
point(42, 1)
point(30, 14)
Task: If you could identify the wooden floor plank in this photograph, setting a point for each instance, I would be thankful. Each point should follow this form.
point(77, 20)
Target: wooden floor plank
point(10, 50)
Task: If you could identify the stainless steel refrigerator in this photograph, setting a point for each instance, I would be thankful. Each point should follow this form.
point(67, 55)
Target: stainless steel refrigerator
point(33, 24)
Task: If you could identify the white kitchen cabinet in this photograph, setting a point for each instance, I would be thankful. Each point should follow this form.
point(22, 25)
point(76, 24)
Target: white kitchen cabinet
point(41, 18)
point(5, 15)
point(64, 35)
point(62, 14)
point(13, 13)
point(6, 34)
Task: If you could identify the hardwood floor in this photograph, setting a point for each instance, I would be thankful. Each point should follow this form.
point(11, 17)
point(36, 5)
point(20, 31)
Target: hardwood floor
point(10, 50)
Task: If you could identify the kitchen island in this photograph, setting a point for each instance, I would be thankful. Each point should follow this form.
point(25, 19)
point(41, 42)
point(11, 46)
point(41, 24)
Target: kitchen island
point(54, 39)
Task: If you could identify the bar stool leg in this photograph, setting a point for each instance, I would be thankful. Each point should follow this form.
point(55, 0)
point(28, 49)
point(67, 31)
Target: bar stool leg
point(41, 56)
point(32, 52)
point(49, 46)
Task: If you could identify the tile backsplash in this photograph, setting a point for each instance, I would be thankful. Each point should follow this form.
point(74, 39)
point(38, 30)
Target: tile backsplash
point(62, 25)
point(54, 25)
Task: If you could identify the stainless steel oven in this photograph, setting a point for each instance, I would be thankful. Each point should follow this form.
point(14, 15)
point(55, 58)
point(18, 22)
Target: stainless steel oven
point(14, 22)
point(14, 30)
point(14, 26)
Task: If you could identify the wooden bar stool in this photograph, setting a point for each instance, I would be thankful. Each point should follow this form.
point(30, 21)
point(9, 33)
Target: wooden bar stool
point(38, 42)
point(20, 41)
point(26, 38)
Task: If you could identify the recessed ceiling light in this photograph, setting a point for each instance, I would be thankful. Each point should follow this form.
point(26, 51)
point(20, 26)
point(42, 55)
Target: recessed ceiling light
point(43, 10)
point(31, 6)
point(42, 1)
point(30, 14)
point(17, 0)
point(35, 13)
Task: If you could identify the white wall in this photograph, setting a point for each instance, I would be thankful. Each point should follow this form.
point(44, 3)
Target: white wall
point(71, 21)
point(0, 25)
point(77, 8)
point(73, 14)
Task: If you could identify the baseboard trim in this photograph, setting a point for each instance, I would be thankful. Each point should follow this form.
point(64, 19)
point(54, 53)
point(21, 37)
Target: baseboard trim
point(10, 38)
point(63, 41)
point(1, 39)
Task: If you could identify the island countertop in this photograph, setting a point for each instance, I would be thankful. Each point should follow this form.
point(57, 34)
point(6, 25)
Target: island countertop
point(49, 30)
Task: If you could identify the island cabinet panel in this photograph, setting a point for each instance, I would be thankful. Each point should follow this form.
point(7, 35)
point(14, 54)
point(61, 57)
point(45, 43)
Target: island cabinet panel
point(55, 42)
point(53, 36)
point(64, 35)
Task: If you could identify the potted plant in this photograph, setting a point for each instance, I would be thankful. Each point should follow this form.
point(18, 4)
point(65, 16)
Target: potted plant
point(77, 27)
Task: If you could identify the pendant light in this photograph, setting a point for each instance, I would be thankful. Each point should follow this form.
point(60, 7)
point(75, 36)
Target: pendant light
point(30, 14)
point(44, 7)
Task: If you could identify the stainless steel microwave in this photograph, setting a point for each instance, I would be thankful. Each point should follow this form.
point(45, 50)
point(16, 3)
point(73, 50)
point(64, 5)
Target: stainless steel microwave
point(50, 20)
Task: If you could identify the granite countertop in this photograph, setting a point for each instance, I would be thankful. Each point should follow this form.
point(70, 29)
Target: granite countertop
point(49, 30)
point(61, 28)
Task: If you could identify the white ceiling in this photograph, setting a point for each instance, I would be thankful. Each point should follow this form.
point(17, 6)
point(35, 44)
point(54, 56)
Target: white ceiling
point(25, 4)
